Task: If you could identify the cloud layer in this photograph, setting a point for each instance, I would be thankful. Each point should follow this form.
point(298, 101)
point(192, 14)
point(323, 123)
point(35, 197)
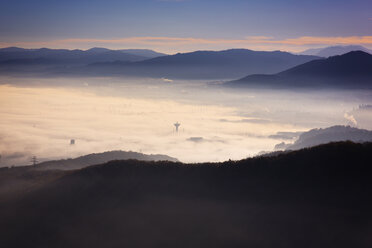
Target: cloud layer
point(40, 116)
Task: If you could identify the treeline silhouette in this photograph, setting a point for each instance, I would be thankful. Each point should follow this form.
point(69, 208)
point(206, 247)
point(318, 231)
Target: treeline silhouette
point(314, 197)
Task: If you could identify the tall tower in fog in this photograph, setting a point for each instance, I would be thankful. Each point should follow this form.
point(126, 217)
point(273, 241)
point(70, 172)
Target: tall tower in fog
point(177, 125)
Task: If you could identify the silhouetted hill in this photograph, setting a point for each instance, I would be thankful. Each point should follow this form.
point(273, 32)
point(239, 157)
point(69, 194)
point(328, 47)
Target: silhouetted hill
point(98, 50)
point(351, 70)
point(204, 64)
point(319, 136)
point(335, 50)
point(17, 181)
point(99, 158)
point(135, 62)
point(13, 49)
point(318, 197)
point(143, 52)
point(40, 62)
point(63, 56)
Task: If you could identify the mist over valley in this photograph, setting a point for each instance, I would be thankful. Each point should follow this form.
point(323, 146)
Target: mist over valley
point(185, 123)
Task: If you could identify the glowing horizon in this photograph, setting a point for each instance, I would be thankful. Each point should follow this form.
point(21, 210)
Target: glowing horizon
point(178, 44)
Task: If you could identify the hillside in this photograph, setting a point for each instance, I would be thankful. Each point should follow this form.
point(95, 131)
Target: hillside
point(143, 52)
point(334, 50)
point(64, 56)
point(145, 63)
point(57, 62)
point(99, 158)
point(320, 136)
point(318, 197)
point(204, 64)
point(351, 70)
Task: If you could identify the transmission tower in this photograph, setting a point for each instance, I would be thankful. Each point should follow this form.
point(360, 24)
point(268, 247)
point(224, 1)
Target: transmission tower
point(34, 160)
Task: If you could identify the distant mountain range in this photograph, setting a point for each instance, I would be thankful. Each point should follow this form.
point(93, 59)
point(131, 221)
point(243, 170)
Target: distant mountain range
point(20, 56)
point(265, 69)
point(334, 50)
point(351, 70)
point(204, 64)
point(147, 53)
point(98, 158)
point(145, 63)
point(320, 136)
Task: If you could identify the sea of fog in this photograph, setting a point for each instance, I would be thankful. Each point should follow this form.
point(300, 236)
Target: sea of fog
point(40, 116)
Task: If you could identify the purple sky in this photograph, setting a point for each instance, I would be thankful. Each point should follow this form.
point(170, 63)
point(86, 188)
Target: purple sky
point(185, 25)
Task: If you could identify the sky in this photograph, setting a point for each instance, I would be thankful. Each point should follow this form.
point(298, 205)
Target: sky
point(172, 26)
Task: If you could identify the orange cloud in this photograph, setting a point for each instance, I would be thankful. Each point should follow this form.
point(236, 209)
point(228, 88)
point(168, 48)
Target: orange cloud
point(309, 40)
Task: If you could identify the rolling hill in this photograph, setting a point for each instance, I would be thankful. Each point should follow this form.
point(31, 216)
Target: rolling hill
point(51, 62)
point(63, 56)
point(351, 70)
point(204, 64)
point(335, 50)
point(225, 64)
point(143, 52)
point(320, 136)
point(316, 197)
point(99, 158)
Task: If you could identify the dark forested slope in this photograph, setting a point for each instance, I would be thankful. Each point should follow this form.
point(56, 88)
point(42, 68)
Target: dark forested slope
point(316, 197)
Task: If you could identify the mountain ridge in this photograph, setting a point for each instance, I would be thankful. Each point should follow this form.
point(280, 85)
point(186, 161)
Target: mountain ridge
point(351, 70)
point(206, 64)
point(97, 158)
point(134, 203)
point(335, 50)
point(225, 64)
point(75, 56)
point(319, 136)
